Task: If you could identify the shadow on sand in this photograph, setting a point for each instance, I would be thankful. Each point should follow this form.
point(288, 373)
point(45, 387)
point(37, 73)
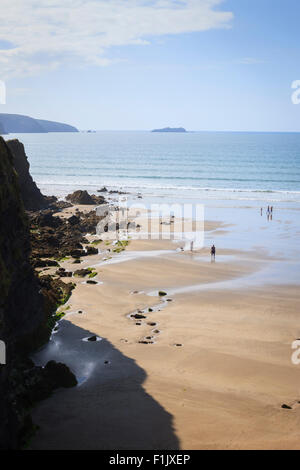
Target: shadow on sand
point(109, 409)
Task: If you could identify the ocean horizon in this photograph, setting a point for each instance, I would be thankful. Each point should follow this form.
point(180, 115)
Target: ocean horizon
point(253, 166)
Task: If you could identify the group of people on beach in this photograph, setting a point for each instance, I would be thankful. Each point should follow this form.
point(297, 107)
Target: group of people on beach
point(269, 212)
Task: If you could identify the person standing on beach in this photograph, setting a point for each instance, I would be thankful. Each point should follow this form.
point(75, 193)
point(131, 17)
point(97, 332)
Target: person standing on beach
point(192, 245)
point(213, 252)
point(261, 211)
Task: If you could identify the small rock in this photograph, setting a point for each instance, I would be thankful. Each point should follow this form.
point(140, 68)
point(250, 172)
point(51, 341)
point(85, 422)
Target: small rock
point(138, 316)
point(91, 250)
point(286, 407)
point(92, 338)
point(161, 293)
point(73, 220)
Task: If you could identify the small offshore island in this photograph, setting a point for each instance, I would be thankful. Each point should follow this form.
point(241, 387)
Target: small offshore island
point(170, 129)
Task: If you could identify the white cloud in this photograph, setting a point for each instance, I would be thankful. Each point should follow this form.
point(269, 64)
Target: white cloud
point(48, 33)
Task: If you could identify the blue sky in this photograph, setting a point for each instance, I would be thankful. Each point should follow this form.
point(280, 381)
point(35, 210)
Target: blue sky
point(140, 64)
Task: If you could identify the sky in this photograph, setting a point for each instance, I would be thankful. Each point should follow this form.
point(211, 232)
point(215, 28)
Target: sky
point(142, 64)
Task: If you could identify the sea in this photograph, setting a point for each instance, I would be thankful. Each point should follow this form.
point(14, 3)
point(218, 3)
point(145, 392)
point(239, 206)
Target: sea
point(223, 166)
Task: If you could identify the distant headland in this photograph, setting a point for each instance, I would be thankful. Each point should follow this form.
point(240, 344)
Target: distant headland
point(15, 123)
point(170, 129)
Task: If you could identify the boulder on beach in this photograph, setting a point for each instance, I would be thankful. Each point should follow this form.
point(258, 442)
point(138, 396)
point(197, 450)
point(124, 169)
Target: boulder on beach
point(84, 198)
point(82, 272)
point(60, 375)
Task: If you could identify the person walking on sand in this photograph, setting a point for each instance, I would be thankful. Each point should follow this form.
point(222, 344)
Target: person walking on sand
point(213, 252)
point(261, 211)
point(192, 245)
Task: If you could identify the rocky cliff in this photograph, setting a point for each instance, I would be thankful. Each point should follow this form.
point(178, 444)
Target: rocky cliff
point(27, 305)
point(31, 195)
point(22, 316)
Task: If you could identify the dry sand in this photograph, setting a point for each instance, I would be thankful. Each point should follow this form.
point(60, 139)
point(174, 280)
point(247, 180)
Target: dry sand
point(215, 376)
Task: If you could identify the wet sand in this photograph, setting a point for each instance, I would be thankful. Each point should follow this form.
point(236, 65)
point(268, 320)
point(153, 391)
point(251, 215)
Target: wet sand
point(208, 368)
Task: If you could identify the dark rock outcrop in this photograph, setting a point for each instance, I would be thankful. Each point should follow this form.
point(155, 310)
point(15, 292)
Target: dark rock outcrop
point(39, 382)
point(31, 195)
point(52, 236)
point(59, 375)
point(83, 197)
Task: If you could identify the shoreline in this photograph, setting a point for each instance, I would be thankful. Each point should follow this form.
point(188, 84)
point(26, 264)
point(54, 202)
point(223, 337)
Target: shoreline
point(200, 371)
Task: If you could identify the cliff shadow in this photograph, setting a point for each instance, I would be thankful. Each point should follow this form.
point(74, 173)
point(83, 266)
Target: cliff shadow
point(109, 409)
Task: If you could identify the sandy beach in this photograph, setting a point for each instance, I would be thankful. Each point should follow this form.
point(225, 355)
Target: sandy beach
point(207, 366)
